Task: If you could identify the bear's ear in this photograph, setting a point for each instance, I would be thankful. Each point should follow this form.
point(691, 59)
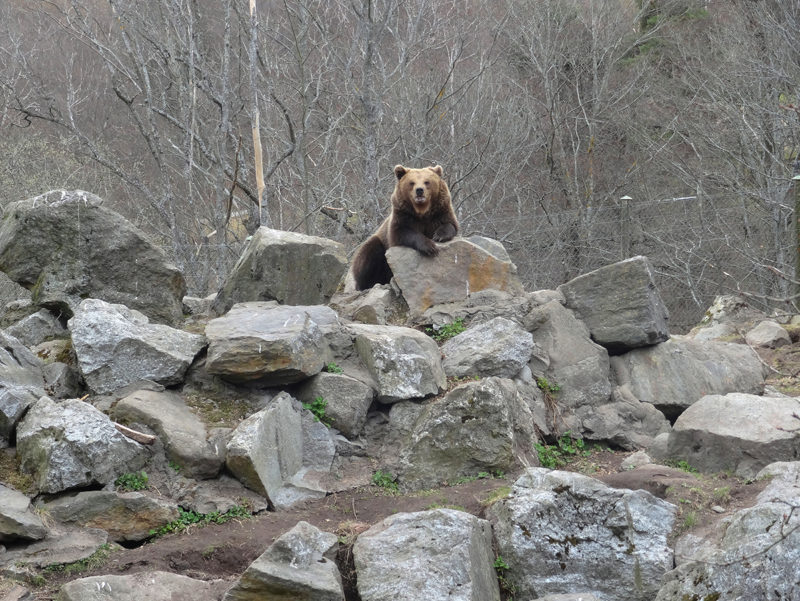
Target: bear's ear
point(437, 169)
point(399, 171)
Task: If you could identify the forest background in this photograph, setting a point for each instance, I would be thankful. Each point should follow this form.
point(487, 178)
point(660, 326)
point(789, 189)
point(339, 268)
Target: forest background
point(577, 132)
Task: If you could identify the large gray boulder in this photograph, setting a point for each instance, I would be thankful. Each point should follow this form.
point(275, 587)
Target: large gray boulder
point(752, 555)
point(129, 516)
point(184, 435)
point(404, 363)
point(563, 532)
point(269, 343)
point(21, 384)
point(300, 565)
point(71, 444)
point(153, 586)
point(461, 268)
point(117, 346)
point(17, 519)
point(347, 400)
point(481, 426)
point(65, 246)
point(291, 268)
point(738, 432)
point(620, 304)
point(498, 347)
point(278, 454)
point(437, 555)
point(571, 361)
point(673, 375)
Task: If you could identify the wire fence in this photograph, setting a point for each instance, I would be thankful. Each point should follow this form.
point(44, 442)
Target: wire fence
point(699, 248)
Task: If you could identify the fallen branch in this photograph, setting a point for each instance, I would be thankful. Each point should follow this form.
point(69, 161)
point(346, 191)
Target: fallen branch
point(140, 437)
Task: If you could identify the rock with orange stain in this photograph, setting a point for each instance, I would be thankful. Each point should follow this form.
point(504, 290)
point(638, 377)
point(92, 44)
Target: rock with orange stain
point(461, 268)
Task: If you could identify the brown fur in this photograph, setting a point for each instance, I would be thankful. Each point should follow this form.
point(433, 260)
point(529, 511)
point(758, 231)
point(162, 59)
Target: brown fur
point(422, 214)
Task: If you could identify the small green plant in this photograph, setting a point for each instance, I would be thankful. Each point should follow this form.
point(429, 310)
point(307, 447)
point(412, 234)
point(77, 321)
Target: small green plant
point(447, 331)
point(174, 466)
point(332, 368)
point(690, 520)
point(385, 480)
point(567, 447)
point(722, 494)
point(95, 560)
point(132, 481)
point(682, 464)
point(547, 386)
point(191, 518)
point(317, 409)
point(501, 567)
point(496, 495)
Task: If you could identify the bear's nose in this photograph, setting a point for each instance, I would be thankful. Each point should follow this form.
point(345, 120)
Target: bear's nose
point(420, 191)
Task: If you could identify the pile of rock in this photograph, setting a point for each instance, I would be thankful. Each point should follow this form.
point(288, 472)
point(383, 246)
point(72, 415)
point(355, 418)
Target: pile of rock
point(98, 379)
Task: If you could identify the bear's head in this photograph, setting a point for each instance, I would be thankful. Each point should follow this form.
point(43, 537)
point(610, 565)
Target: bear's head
point(419, 188)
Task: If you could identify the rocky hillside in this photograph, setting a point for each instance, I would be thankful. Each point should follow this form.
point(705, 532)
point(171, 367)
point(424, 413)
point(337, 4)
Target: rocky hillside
point(129, 411)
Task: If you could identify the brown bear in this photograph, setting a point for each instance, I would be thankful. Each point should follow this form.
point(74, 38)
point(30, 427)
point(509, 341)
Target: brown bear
point(422, 214)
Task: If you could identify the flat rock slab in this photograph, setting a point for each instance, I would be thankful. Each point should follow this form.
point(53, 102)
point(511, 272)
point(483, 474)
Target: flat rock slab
point(152, 586)
point(125, 516)
point(738, 432)
point(66, 545)
point(461, 268)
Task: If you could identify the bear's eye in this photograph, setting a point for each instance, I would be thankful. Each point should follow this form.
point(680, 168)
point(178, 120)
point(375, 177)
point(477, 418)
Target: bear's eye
point(427, 183)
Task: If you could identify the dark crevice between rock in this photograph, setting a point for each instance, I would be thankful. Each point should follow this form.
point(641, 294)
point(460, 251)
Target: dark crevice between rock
point(347, 569)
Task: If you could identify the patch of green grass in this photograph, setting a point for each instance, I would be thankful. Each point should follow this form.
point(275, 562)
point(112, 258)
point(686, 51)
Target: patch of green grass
point(174, 466)
point(192, 518)
point(317, 409)
point(447, 331)
point(496, 495)
point(479, 476)
point(132, 481)
point(681, 464)
point(385, 481)
point(722, 494)
point(566, 449)
point(95, 560)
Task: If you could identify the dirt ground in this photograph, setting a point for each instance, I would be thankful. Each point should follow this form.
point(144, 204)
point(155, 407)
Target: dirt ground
point(224, 551)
